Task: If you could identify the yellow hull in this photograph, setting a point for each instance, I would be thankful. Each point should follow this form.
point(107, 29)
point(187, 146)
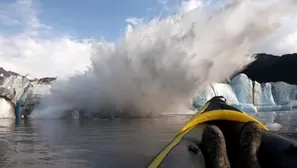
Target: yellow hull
point(207, 113)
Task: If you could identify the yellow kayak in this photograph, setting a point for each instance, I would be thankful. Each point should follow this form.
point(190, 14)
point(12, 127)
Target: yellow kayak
point(275, 151)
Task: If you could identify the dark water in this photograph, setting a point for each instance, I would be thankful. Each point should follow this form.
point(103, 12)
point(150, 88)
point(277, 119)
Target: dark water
point(93, 143)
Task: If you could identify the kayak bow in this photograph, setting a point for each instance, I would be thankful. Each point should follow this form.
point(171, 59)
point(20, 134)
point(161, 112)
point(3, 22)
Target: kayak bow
point(185, 148)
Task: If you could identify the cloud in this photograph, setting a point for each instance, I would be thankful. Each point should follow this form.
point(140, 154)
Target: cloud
point(190, 5)
point(282, 41)
point(290, 43)
point(27, 51)
point(24, 14)
point(134, 20)
point(60, 57)
point(30, 46)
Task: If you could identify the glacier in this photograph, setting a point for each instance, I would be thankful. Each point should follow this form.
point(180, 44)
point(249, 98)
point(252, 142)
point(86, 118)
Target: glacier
point(251, 96)
point(19, 88)
point(241, 92)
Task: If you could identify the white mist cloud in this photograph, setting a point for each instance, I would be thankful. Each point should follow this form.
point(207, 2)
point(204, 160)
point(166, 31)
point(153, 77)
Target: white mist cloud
point(157, 66)
point(160, 65)
point(27, 51)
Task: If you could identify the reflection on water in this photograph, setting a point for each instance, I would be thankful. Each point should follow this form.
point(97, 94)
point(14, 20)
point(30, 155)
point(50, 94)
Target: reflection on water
point(93, 143)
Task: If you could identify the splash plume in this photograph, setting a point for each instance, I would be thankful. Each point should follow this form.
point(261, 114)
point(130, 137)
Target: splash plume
point(159, 66)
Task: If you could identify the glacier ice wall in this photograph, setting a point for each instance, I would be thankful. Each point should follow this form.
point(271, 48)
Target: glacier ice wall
point(263, 94)
point(241, 92)
point(14, 87)
point(37, 90)
point(243, 88)
point(11, 90)
point(251, 96)
point(6, 108)
point(19, 87)
point(204, 95)
point(226, 91)
point(283, 92)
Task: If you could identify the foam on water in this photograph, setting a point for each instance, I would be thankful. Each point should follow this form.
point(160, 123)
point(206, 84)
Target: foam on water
point(159, 66)
point(273, 126)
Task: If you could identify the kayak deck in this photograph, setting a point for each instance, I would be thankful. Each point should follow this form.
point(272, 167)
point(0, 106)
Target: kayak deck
point(186, 148)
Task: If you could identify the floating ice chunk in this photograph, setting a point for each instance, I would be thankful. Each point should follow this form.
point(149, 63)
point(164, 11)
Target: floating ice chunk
point(273, 126)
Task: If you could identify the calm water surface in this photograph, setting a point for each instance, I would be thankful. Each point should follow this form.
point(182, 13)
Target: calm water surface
point(94, 143)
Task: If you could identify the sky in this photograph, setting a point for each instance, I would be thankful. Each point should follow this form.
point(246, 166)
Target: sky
point(54, 37)
point(88, 18)
point(93, 18)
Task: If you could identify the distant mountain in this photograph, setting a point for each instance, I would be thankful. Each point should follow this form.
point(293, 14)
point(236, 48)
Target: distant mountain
point(272, 68)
